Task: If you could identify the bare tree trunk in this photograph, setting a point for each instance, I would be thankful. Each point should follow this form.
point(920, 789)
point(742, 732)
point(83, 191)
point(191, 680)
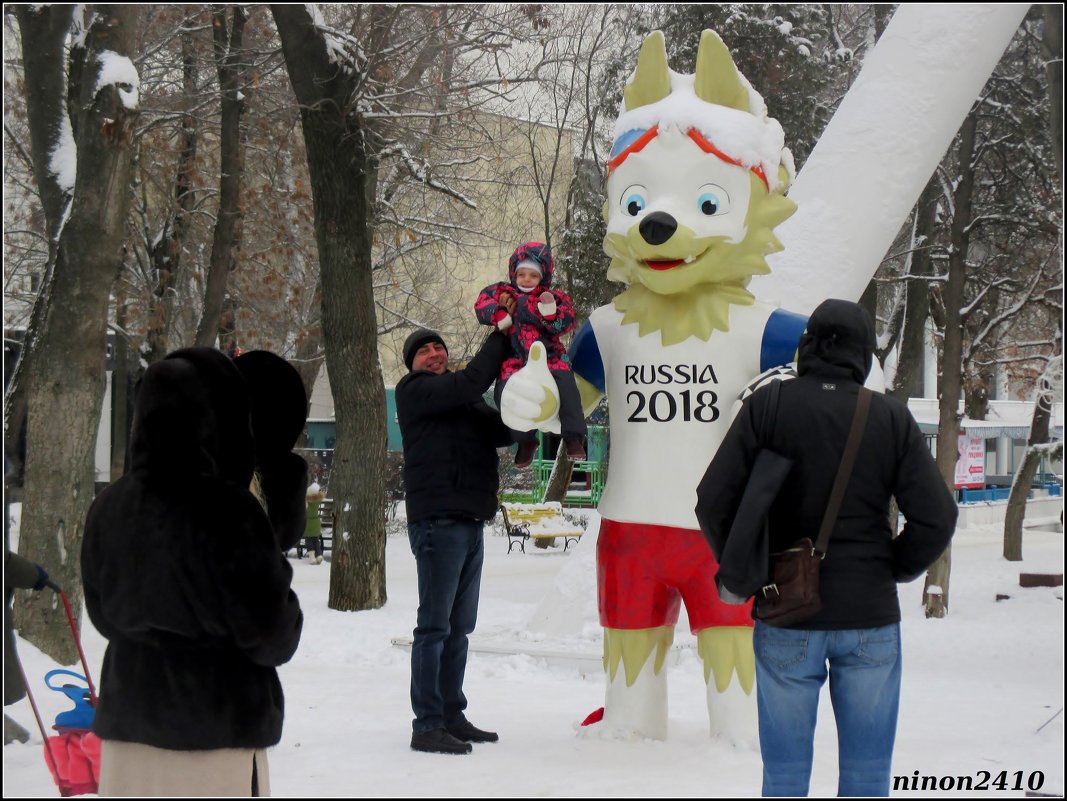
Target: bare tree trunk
point(166, 253)
point(229, 60)
point(1024, 476)
point(120, 383)
point(42, 31)
point(66, 385)
point(908, 378)
point(560, 477)
point(1052, 49)
point(936, 589)
point(341, 167)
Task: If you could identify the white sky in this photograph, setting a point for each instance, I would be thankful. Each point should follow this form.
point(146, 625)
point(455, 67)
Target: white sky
point(982, 690)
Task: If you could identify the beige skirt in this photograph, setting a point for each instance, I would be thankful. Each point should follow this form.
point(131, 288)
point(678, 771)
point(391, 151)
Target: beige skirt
point(133, 769)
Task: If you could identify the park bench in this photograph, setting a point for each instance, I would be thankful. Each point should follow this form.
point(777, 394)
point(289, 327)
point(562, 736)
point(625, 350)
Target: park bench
point(541, 522)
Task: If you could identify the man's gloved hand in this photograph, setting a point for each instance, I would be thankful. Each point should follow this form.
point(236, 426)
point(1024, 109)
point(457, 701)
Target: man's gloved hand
point(506, 301)
point(42, 579)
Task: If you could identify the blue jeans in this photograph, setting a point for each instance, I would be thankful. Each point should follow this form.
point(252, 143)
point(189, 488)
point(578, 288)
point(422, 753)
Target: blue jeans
point(448, 554)
point(864, 669)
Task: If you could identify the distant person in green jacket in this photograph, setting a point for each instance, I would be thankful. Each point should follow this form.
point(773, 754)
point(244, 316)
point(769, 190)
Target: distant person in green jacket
point(313, 530)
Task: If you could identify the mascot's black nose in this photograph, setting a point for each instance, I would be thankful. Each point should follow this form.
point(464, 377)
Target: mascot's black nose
point(658, 227)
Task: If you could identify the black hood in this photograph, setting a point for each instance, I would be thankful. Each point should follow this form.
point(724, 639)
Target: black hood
point(839, 342)
point(192, 417)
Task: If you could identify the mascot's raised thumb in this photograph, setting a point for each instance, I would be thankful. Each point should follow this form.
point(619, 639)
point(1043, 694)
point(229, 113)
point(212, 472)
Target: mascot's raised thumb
point(530, 399)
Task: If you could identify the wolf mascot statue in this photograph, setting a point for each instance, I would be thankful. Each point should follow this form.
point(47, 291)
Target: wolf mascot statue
point(696, 185)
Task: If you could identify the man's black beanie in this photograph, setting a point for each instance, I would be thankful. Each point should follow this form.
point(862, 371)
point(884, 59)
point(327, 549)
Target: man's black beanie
point(416, 340)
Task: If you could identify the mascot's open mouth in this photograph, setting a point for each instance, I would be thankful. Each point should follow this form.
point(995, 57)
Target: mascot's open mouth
point(663, 265)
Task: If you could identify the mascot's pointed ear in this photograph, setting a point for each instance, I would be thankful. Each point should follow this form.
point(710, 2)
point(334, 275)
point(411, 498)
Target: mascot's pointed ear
point(652, 80)
point(717, 79)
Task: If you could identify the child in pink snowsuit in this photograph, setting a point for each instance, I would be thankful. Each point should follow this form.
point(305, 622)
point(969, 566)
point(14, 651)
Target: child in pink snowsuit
point(541, 314)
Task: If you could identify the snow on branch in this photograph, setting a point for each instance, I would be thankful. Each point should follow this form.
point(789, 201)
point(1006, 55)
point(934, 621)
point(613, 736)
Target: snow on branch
point(119, 71)
point(419, 169)
point(342, 49)
point(80, 26)
point(63, 160)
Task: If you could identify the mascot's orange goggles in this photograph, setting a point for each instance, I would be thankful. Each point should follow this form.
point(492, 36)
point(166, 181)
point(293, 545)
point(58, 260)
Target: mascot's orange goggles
point(635, 141)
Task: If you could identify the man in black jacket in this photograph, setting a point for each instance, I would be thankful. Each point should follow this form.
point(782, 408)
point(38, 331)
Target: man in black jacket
point(857, 631)
point(451, 481)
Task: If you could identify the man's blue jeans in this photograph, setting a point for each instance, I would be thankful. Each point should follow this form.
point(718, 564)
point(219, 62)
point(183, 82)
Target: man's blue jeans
point(864, 670)
point(448, 554)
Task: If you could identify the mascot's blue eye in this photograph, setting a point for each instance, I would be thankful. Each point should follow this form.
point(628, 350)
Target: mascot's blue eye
point(634, 204)
point(712, 200)
point(709, 203)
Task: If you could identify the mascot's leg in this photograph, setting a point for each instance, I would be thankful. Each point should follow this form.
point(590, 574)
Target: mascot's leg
point(636, 697)
point(724, 643)
point(638, 610)
point(730, 673)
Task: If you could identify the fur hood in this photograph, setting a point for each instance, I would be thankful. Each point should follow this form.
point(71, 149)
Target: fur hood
point(192, 415)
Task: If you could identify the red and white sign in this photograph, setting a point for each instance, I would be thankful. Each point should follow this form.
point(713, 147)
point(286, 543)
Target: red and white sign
point(970, 467)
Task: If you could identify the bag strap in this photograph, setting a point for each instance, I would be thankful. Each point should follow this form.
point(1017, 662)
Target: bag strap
point(844, 472)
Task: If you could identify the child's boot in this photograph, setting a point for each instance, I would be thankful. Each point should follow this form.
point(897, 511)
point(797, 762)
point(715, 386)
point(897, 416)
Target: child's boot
point(524, 455)
point(575, 451)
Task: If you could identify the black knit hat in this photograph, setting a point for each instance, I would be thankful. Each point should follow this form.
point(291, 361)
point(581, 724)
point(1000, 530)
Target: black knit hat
point(416, 340)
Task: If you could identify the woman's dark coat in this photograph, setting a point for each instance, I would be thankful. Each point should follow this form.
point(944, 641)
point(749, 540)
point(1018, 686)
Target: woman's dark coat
point(864, 561)
point(184, 573)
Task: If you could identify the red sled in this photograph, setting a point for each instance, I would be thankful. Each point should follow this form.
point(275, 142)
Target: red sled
point(73, 754)
point(74, 759)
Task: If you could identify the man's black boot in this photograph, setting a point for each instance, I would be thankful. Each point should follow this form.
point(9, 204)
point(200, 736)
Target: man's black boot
point(439, 741)
point(469, 733)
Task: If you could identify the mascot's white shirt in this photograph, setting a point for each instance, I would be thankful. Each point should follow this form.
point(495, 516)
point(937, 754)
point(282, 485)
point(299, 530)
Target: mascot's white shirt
point(670, 406)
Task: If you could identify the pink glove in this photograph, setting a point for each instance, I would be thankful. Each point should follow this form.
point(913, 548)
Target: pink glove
point(547, 306)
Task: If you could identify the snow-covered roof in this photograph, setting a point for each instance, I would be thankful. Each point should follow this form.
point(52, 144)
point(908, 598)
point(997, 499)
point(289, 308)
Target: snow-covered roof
point(1004, 419)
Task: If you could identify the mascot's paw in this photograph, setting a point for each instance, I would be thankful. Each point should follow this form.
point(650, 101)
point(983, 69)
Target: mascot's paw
point(530, 399)
point(726, 652)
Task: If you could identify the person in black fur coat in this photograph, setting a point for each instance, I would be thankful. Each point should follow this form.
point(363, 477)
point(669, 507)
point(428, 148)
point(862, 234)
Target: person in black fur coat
point(185, 575)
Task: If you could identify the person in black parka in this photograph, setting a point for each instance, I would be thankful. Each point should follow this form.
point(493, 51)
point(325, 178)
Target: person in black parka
point(855, 637)
point(184, 574)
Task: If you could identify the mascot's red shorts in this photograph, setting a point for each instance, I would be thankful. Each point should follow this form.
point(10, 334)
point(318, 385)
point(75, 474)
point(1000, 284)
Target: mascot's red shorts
point(645, 571)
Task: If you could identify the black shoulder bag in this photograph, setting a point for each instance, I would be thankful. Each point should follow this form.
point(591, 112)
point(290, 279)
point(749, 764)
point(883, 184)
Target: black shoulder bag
point(742, 551)
point(793, 592)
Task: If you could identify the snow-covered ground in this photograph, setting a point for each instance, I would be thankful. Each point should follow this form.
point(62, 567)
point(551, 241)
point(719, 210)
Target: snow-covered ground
point(983, 690)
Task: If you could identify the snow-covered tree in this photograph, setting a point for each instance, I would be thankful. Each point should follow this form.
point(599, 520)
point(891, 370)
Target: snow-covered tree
point(81, 100)
point(378, 88)
point(999, 305)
